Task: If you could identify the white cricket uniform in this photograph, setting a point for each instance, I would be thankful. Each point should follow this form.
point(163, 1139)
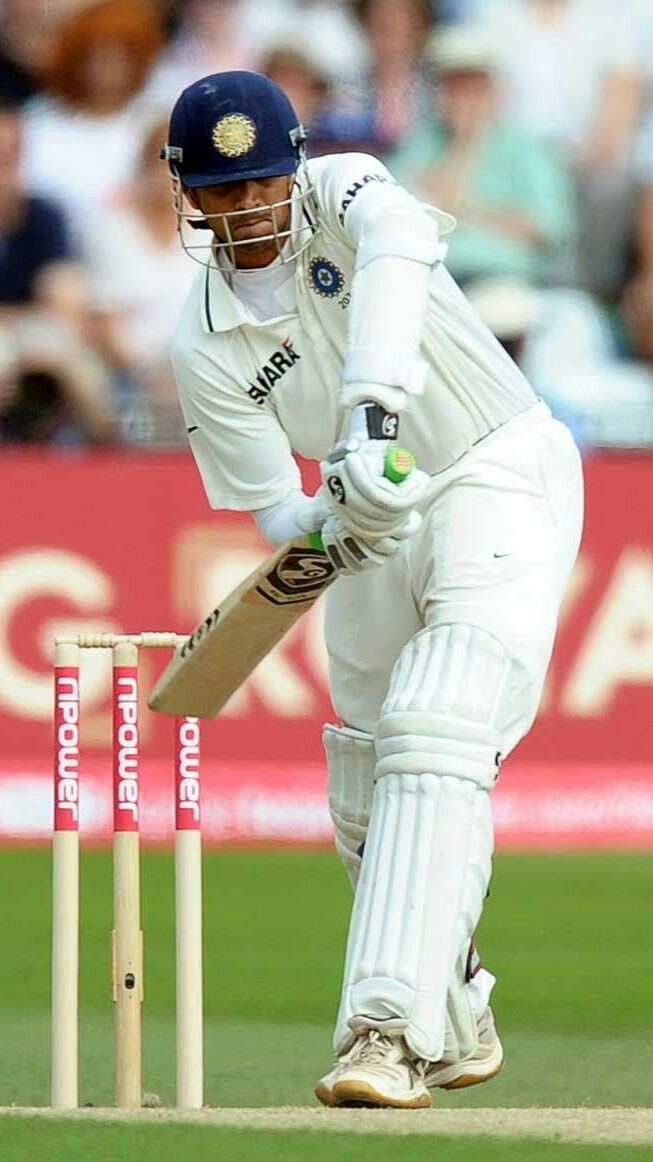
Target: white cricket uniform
point(253, 392)
point(500, 533)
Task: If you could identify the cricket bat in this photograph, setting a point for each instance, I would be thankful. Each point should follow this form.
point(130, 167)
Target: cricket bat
point(228, 645)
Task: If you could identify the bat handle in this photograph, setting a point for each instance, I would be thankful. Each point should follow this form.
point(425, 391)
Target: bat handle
point(399, 464)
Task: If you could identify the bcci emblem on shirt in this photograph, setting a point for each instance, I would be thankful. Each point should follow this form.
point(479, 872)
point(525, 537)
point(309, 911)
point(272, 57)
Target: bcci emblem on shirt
point(325, 277)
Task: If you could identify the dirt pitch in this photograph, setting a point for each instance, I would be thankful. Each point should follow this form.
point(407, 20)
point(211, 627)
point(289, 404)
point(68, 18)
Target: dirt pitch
point(618, 1126)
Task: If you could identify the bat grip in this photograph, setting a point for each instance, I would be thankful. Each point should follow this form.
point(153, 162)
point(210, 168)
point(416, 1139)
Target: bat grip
point(399, 464)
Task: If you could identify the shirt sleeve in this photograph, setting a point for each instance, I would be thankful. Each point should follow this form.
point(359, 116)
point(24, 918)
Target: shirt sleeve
point(353, 186)
point(242, 452)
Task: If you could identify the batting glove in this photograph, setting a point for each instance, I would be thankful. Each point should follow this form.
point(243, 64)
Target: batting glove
point(351, 554)
point(359, 494)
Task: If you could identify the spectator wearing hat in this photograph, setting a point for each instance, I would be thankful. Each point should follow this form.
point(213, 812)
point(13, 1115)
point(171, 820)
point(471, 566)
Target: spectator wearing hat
point(301, 78)
point(82, 140)
point(331, 34)
point(377, 109)
point(510, 193)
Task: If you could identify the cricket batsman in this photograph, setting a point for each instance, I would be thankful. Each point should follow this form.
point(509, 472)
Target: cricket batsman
point(324, 322)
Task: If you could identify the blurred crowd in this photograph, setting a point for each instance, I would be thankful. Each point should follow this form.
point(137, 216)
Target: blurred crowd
point(530, 120)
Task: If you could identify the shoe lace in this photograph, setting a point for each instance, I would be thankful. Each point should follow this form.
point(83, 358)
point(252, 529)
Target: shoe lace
point(372, 1050)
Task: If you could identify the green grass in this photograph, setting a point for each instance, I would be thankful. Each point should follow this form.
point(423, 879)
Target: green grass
point(60, 1142)
point(569, 937)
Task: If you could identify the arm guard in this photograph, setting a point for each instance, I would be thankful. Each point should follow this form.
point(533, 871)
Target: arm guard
point(397, 252)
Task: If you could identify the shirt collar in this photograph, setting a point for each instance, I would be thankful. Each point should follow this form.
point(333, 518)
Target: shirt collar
point(222, 310)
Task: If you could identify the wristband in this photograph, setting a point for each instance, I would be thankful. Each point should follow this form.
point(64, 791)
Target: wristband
point(371, 421)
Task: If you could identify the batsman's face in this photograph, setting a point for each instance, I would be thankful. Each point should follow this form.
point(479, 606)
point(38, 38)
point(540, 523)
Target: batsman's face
point(256, 198)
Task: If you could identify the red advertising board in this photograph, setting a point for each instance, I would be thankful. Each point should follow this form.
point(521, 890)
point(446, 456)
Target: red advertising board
point(108, 542)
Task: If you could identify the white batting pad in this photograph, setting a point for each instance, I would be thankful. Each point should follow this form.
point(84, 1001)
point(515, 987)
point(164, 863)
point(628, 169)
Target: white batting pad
point(447, 707)
point(467, 1000)
point(427, 860)
point(351, 760)
point(405, 922)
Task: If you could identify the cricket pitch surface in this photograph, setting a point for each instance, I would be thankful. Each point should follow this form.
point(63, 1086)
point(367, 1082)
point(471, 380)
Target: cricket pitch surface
point(616, 1126)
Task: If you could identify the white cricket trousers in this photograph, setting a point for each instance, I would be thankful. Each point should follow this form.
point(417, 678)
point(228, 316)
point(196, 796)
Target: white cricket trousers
point(499, 538)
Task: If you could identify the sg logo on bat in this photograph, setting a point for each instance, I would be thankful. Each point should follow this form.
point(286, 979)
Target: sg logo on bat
point(300, 575)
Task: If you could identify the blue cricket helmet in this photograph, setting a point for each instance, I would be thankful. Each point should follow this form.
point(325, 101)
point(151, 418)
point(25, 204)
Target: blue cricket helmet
point(231, 127)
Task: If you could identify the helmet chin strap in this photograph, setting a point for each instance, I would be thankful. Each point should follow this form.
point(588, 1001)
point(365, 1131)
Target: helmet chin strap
point(301, 229)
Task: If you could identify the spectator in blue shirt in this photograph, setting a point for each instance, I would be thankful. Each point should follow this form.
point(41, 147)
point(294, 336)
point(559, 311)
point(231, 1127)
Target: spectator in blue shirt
point(37, 264)
point(54, 388)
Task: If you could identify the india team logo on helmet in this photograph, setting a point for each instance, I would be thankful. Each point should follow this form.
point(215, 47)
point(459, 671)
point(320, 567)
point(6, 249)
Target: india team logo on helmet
point(234, 135)
point(325, 278)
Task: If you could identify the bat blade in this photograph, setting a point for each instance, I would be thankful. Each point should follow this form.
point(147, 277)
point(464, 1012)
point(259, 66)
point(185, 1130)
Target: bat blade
point(228, 645)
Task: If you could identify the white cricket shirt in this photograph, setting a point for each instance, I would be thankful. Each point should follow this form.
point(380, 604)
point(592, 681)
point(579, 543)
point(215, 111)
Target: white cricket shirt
point(253, 391)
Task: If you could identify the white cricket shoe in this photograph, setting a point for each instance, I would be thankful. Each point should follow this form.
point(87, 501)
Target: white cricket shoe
point(377, 1071)
point(483, 1064)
